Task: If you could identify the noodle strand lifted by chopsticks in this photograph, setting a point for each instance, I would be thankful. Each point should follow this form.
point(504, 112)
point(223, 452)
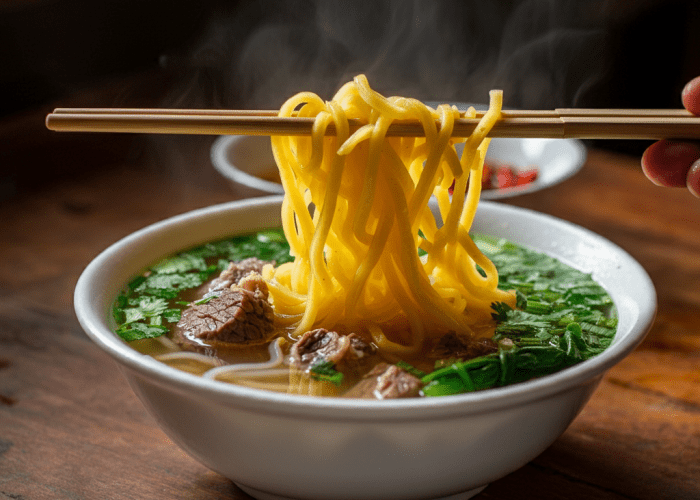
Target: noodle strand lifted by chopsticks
point(356, 213)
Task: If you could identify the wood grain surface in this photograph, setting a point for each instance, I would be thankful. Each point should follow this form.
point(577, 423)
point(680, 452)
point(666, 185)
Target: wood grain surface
point(71, 428)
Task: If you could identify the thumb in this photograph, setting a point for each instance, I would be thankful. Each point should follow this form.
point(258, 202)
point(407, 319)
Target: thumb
point(691, 96)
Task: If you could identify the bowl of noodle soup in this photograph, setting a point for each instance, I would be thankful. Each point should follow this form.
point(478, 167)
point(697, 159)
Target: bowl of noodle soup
point(288, 446)
point(387, 256)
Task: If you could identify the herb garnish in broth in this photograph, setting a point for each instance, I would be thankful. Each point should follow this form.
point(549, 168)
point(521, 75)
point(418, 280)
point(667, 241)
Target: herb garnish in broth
point(157, 298)
point(562, 316)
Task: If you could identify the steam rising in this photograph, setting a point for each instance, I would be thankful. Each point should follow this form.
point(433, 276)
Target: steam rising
point(542, 53)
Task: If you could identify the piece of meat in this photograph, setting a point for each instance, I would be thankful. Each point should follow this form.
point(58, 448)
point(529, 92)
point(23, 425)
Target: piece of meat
point(454, 346)
point(347, 352)
point(238, 315)
point(386, 381)
point(235, 272)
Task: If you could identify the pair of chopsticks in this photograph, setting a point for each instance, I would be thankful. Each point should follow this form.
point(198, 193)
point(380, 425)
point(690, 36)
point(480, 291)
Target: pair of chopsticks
point(559, 123)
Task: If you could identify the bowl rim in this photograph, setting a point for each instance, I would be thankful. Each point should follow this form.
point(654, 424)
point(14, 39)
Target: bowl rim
point(219, 158)
point(96, 325)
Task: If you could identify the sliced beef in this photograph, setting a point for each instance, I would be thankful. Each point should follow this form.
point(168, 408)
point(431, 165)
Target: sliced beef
point(238, 315)
point(235, 272)
point(454, 346)
point(347, 352)
point(386, 381)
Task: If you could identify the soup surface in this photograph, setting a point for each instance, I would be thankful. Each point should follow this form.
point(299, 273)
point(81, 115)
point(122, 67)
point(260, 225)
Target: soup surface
point(177, 312)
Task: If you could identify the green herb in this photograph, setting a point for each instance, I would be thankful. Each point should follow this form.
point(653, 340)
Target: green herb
point(138, 331)
point(172, 315)
point(325, 371)
point(180, 264)
point(170, 282)
point(142, 307)
point(562, 317)
point(536, 307)
point(421, 251)
point(411, 369)
point(205, 300)
point(501, 311)
point(152, 299)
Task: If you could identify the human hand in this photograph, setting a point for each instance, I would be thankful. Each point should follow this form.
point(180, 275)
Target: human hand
point(676, 163)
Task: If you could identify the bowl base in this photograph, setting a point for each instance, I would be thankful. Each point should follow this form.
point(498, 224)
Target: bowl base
point(263, 495)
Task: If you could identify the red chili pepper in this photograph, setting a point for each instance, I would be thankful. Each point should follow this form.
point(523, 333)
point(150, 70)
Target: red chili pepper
point(506, 177)
point(500, 177)
point(526, 176)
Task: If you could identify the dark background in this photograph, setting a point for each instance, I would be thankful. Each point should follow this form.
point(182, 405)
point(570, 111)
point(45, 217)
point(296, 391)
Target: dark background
point(255, 54)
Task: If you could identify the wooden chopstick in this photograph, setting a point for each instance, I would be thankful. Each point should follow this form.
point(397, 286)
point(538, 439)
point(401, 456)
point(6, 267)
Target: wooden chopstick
point(558, 123)
point(556, 113)
point(165, 111)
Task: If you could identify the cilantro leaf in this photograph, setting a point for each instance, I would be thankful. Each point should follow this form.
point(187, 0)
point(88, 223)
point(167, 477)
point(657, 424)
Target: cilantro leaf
point(180, 264)
point(145, 307)
point(501, 311)
point(138, 331)
point(172, 315)
point(325, 371)
point(171, 281)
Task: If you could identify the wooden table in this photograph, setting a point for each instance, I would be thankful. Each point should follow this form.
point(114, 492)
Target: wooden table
point(71, 428)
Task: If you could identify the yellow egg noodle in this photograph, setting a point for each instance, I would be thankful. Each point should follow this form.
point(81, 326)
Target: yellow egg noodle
point(356, 213)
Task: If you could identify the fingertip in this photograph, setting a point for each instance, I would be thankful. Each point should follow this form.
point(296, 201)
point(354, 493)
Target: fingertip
point(693, 179)
point(691, 96)
point(650, 160)
point(666, 163)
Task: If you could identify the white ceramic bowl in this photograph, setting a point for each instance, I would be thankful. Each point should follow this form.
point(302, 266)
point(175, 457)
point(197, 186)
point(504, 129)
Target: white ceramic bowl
point(278, 446)
point(246, 161)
